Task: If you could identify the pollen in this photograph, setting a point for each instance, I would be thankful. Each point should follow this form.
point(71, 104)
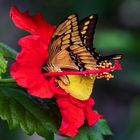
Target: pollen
point(104, 65)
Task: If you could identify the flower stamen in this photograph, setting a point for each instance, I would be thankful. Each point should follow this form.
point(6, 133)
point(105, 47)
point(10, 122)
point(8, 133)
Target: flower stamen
point(103, 65)
point(99, 71)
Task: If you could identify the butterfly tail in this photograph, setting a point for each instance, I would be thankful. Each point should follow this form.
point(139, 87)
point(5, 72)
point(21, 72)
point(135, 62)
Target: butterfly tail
point(110, 57)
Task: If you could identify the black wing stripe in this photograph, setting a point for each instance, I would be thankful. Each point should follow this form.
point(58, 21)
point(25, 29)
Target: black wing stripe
point(87, 28)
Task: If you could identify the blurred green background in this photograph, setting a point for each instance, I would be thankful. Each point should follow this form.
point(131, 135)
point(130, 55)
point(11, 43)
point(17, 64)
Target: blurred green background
point(118, 31)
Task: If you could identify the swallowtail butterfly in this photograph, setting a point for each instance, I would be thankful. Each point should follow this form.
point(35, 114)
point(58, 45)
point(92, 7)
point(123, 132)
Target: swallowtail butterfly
point(71, 46)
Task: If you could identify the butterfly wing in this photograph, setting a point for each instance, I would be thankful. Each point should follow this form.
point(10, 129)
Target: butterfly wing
point(66, 36)
point(71, 45)
point(87, 28)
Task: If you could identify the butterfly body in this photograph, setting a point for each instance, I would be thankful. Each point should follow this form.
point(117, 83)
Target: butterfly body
point(71, 46)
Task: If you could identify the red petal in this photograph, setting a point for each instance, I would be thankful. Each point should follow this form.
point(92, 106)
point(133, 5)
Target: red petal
point(27, 68)
point(56, 89)
point(91, 116)
point(35, 25)
point(82, 104)
point(72, 116)
point(74, 112)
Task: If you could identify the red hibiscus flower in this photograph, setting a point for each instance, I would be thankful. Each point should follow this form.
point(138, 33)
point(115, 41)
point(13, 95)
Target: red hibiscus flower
point(27, 71)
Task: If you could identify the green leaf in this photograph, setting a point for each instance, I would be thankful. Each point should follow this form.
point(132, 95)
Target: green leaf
point(93, 133)
point(103, 127)
point(3, 65)
point(21, 111)
point(7, 51)
point(31, 114)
